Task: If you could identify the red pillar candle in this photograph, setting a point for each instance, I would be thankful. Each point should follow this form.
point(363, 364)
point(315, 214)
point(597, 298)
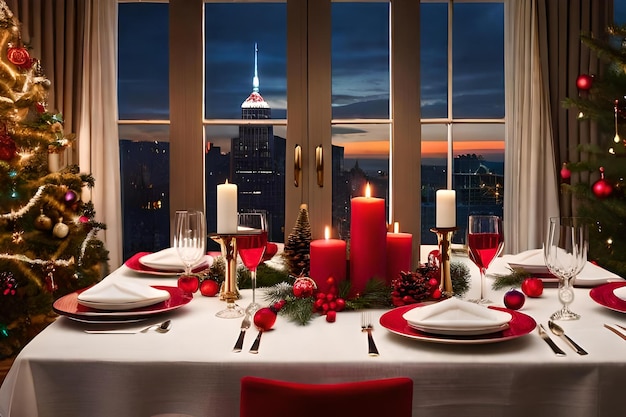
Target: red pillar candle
point(328, 259)
point(399, 253)
point(368, 241)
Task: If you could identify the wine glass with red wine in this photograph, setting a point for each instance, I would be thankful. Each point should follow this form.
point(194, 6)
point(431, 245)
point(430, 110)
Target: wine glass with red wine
point(485, 241)
point(251, 243)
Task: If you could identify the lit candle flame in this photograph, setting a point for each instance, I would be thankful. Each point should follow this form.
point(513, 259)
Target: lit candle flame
point(396, 227)
point(368, 190)
point(327, 233)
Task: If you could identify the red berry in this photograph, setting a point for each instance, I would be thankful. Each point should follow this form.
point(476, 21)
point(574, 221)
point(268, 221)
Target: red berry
point(532, 287)
point(433, 282)
point(437, 293)
point(188, 283)
point(514, 299)
point(321, 295)
point(330, 297)
point(340, 303)
point(264, 318)
point(331, 316)
point(209, 288)
point(317, 305)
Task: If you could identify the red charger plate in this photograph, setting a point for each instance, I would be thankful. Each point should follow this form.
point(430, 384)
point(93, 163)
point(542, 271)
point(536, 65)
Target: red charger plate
point(134, 264)
point(68, 306)
point(520, 325)
point(604, 296)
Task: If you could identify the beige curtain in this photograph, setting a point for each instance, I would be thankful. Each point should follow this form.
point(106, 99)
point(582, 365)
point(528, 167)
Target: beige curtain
point(76, 42)
point(530, 186)
point(53, 30)
point(98, 142)
point(563, 59)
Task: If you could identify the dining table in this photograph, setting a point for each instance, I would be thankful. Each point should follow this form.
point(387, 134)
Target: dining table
point(192, 370)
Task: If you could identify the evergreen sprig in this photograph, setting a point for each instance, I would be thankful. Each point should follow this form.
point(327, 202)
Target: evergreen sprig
point(511, 280)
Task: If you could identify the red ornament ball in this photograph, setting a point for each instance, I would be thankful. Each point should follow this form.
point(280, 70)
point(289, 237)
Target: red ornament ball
point(304, 287)
point(602, 188)
point(265, 318)
point(209, 288)
point(18, 55)
point(514, 299)
point(532, 287)
point(584, 82)
point(188, 283)
point(8, 148)
point(565, 172)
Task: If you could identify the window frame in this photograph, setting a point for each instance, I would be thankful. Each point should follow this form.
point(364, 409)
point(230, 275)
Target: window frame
point(308, 87)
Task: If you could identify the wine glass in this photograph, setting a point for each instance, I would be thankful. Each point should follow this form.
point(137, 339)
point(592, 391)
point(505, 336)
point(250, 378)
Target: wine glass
point(189, 237)
point(485, 241)
point(251, 243)
point(565, 253)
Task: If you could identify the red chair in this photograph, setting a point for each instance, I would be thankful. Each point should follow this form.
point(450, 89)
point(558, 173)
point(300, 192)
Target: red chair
point(261, 397)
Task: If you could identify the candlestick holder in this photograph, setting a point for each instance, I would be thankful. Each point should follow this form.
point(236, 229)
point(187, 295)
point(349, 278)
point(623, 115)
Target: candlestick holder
point(229, 291)
point(444, 239)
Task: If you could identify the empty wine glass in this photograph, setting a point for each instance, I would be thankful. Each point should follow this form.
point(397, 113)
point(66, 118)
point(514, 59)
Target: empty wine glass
point(189, 237)
point(485, 241)
point(565, 253)
point(251, 243)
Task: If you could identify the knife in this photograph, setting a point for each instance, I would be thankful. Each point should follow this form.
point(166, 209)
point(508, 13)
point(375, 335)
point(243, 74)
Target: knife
point(245, 325)
point(614, 330)
point(557, 350)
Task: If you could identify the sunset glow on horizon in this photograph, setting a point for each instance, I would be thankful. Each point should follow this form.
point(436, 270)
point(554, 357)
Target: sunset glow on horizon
point(380, 149)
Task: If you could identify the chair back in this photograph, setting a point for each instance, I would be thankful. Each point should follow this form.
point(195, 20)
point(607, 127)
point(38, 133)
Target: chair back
point(261, 397)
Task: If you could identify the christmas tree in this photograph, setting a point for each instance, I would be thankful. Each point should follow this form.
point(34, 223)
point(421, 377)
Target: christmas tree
point(603, 99)
point(48, 236)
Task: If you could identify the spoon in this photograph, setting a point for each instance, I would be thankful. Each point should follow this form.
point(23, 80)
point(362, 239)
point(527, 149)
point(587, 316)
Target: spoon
point(558, 330)
point(161, 328)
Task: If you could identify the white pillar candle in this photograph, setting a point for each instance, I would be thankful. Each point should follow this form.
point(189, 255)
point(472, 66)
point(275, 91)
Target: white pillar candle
point(446, 208)
point(226, 208)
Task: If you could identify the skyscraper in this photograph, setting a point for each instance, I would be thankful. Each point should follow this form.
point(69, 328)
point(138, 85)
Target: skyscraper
point(257, 161)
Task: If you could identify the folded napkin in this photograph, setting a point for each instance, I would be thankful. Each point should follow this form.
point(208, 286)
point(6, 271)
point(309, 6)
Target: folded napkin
point(121, 295)
point(533, 262)
point(620, 293)
point(168, 260)
point(456, 316)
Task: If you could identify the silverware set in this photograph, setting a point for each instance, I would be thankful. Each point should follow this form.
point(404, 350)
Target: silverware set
point(558, 331)
point(245, 325)
point(616, 331)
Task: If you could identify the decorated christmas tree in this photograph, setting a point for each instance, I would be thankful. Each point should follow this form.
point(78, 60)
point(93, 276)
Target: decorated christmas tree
point(48, 235)
point(602, 99)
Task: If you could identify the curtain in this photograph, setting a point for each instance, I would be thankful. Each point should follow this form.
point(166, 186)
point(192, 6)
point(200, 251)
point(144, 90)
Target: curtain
point(75, 40)
point(563, 59)
point(531, 189)
point(98, 142)
point(54, 31)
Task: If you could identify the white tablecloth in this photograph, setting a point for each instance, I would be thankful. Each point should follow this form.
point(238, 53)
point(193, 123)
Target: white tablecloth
point(192, 371)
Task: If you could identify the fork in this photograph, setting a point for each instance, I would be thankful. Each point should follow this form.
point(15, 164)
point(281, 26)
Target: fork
point(366, 326)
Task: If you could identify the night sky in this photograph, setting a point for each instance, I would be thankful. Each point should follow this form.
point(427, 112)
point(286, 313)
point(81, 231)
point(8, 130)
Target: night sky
point(360, 63)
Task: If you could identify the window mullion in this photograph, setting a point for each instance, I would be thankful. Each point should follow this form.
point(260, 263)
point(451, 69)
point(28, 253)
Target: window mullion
point(186, 130)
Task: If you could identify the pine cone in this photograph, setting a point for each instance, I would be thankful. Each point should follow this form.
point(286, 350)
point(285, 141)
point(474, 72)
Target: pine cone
point(298, 246)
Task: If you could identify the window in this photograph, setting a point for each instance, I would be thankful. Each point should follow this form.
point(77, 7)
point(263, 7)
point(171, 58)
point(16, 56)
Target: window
point(350, 94)
point(462, 106)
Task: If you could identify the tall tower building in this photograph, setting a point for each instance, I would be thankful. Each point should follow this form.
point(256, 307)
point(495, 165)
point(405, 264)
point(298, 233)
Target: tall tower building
point(258, 161)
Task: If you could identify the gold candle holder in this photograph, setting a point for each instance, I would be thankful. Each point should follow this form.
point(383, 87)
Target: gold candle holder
point(444, 239)
point(229, 291)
